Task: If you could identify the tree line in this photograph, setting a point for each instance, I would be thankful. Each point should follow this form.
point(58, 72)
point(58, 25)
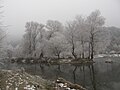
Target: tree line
point(82, 37)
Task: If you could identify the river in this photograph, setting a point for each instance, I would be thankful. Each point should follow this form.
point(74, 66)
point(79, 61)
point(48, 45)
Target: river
point(97, 76)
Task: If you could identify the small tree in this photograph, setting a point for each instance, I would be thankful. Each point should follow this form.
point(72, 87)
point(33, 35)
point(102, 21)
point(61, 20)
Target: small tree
point(57, 45)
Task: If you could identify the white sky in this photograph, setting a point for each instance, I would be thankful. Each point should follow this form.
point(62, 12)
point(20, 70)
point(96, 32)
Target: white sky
point(18, 12)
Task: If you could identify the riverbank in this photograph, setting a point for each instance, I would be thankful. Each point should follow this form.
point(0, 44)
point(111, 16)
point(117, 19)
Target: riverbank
point(51, 61)
point(20, 80)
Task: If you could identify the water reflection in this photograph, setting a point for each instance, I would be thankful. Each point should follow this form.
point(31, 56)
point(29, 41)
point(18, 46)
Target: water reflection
point(92, 76)
point(98, 76)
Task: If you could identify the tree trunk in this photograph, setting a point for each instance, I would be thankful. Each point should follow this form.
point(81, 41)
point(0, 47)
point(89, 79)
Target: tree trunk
point(92, 52)
point(92, 44)
point(73, 52)
point(41, 55)
point(58, 56)
point(92, 49)
point(89, 51)
point(82, 42)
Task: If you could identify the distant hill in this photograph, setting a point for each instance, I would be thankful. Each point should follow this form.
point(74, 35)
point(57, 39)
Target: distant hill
point(114, 39)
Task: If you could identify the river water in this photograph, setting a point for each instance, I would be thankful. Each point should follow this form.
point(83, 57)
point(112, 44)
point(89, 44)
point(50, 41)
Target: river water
point(97, 76)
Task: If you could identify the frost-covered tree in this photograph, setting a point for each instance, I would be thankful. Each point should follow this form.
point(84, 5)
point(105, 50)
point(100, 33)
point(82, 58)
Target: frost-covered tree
point(30, 37)
point(2, 35)
point(80, 38)
point(71, 37)
point(18, 51)
point(95, 23)
point(53, 26)
point(55, 38)
point(82, 35)
point(114, 44)
point(41, 44)
point(57, 45)
point(9, 51)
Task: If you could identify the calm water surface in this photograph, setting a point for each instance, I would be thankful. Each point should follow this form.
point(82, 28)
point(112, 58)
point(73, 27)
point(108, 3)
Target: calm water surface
point(97, 76)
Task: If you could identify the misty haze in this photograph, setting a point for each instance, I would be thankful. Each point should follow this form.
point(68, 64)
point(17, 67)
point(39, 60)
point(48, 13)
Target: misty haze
point(59, 45)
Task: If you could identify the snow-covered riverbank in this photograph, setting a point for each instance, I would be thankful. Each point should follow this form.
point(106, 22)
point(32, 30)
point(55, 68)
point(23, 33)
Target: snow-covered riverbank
point(20, 80)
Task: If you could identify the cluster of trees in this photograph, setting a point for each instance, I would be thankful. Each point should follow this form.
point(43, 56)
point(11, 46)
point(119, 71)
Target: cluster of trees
point(82, 37)
point(114, 45)
point(2, 34)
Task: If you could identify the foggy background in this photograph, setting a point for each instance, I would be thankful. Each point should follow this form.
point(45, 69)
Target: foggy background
point(18, 12)
point(77, 40)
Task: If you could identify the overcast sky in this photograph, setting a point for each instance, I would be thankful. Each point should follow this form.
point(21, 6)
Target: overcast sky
point(18, 12)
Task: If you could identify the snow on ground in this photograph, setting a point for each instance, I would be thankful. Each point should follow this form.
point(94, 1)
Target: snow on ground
point(19, 80)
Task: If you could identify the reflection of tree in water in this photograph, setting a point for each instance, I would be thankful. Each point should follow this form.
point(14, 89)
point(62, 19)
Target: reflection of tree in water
point(35, 67)
point(42, 68)
point(59, 71)
point(59, 68)
point(83, 75)
point(74, 75)
point(82, 69)
point(92, 76)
